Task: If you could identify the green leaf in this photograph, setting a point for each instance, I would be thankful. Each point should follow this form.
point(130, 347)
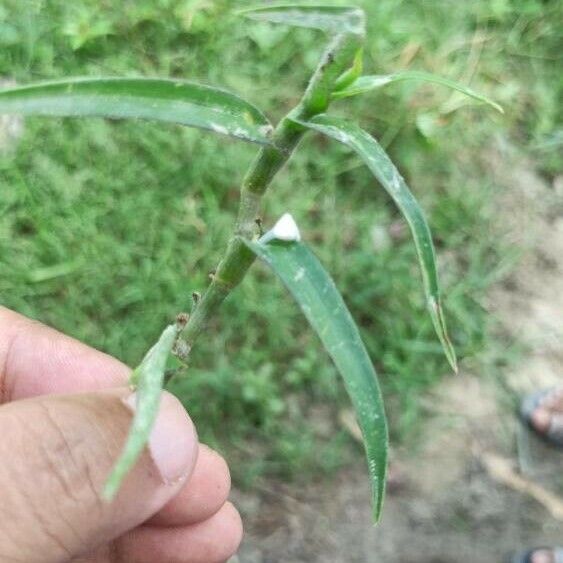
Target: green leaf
point(353, 73)
point(367, 83)
point(322, 305)
point(172, 101)
point(373, 155)
point(148, 378)
point(333, 19)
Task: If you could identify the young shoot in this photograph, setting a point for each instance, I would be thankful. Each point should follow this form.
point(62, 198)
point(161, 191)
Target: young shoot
point(337, 76)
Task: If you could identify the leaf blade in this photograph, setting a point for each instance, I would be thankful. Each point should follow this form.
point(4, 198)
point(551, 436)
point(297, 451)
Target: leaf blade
point(381, 166)
point(367, 83)
point(324, 308)
point(148, 378)
point(171, 101)
point(335, 19)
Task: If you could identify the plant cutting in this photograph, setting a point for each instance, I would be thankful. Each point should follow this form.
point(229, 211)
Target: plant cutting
point(282, 248)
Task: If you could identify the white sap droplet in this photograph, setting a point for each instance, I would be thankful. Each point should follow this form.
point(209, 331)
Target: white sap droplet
point(240, 132)
point(266, 130)
point(299, 274)
point(285, 229)
point(395, 181)
point(219, 128)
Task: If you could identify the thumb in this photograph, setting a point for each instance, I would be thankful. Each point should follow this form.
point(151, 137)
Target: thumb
point(56, 453)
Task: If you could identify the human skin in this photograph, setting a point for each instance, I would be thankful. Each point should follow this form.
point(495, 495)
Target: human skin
point(549, 413)
point(65, 410)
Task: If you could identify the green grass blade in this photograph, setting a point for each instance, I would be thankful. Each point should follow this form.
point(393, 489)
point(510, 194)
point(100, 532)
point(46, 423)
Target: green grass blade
point(324, 308)
point(362, 85)
point(371, 152)
point(333, 19)
point(148, 378)
point(367, 83)
point(172, 101)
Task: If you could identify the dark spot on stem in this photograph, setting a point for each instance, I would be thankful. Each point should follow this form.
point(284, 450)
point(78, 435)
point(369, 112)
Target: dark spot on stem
point(182, 320)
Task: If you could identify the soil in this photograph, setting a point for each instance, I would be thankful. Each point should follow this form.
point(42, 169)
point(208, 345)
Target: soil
point(444, 505)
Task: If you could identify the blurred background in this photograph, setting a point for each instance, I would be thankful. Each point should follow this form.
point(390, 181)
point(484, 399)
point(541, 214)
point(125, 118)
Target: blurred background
point(106, 228)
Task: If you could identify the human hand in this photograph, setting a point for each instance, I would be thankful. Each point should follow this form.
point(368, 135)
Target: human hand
point(65, 411)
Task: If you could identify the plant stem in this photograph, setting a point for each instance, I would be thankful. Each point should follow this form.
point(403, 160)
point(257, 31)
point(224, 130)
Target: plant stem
point(238, 258)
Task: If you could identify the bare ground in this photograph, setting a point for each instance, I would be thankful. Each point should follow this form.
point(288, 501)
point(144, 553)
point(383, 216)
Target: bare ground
point(451, 505)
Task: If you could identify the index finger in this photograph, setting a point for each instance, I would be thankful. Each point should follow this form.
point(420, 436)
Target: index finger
point(38, 360)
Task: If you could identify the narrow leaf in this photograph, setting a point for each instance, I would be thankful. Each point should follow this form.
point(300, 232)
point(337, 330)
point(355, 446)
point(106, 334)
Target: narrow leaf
point(373, 155)
point(148, 378)
point(334, 19)
point(353, 73)
point(367, 83)
point(172, 101)
point(322, 305)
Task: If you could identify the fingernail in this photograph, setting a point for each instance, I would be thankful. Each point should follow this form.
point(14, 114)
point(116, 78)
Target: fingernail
point(173, 440)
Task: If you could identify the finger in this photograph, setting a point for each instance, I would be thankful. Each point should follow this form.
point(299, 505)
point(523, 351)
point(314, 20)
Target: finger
point(37, 360)
point(212, 541)
point(202, 496)
point(55, 456)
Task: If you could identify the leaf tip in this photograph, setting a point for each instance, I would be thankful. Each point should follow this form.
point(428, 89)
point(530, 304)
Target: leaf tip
point(437, 314)
point(452, 359)
point(377, 501)
point(111, 487)
point(376, 512)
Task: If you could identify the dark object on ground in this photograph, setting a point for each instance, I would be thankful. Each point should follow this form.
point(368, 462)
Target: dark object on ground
point(555, 554)
point(554, 434)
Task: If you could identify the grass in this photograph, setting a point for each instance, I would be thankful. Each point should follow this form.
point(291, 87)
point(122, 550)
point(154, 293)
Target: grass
point(106, 228)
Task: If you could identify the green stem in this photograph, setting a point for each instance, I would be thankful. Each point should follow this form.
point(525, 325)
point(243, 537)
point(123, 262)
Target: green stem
point(286, 136)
